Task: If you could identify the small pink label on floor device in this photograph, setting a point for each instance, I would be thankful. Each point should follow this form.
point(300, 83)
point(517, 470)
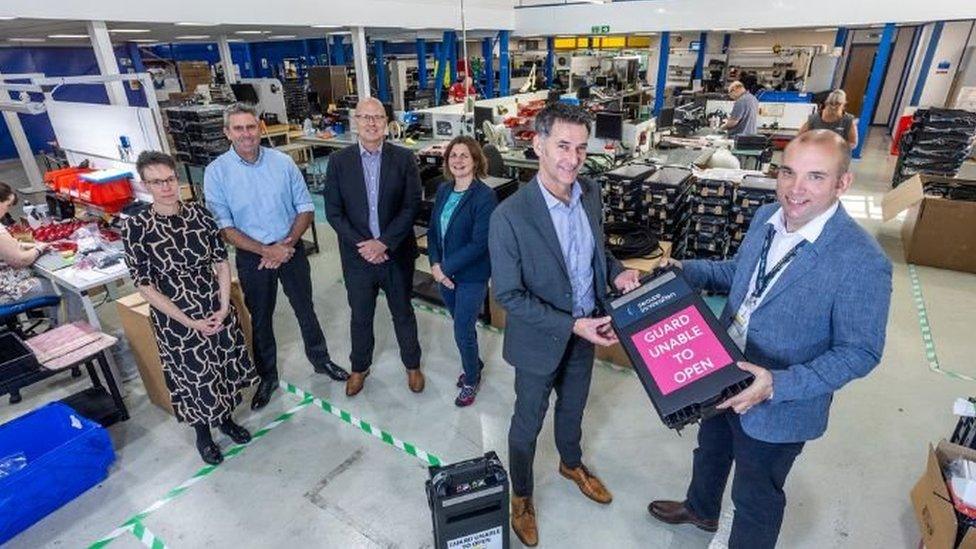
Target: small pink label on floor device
point(680, 349)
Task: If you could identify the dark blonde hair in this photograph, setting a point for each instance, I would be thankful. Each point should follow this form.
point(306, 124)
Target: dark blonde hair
point(480, 162)
point(6, 191)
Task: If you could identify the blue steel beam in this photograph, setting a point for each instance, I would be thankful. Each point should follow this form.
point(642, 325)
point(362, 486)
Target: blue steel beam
point(504, 71)
point(422, 63)
point(700, 62)
point(874, 87)
point(441, 67)
point(662, 71)
point(338, 50)
point(381, 87)
point(486, 53)
point(550, 60)
point(452, 55)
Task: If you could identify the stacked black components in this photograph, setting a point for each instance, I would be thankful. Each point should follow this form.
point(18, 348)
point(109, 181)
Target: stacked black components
point(939, 141)
point(296, 100)
point(747, 198)
point(666, 206)
point(711, 206)
point(198, 133)
point(623, 193)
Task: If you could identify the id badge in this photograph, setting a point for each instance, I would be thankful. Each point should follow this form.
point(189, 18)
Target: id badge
point(740, 323)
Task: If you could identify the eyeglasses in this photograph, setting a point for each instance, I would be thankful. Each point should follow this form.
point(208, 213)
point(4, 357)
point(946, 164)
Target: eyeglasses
point(171, 180)
point(371, 118)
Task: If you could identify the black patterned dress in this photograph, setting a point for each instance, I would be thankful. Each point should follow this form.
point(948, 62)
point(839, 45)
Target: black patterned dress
point(176, 254)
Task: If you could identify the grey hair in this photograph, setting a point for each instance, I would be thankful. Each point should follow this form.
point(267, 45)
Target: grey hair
point(238, 108)
point(563, 112)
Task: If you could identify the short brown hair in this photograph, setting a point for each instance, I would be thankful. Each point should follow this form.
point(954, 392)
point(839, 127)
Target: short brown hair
point(480, 162)
point(6, 191)
point(154, 158)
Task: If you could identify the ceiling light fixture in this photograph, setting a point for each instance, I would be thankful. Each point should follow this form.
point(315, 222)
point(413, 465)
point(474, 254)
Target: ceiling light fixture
point(192, 37)
point(74, 36)
point(27, 40)
point(129, 31)
point(250, 32)
point(195, 24)
point(280, 36)
point(145, 40)
point(325, 26)
point(825, 29)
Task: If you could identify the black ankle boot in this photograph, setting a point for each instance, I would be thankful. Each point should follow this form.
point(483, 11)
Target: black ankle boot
point(236, 433)
point(209, 451)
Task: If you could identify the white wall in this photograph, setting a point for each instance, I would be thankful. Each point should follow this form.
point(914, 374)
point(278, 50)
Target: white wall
point(416, 14)
point(677, 15)
point(896, 67)
point(952, 43)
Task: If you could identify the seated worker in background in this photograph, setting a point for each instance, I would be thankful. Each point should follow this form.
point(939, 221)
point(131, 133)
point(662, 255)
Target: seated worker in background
point(457, 246)
point(17, 283)
point(808, 302)
point(455, 94)
point(178, 262)
point(745, 109)
point(833, 118)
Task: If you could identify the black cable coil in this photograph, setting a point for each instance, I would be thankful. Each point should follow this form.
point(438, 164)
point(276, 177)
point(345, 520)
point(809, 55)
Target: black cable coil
point(630, 240)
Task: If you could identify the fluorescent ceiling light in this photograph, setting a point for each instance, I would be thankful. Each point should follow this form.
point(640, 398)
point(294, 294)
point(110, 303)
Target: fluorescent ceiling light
point(337, 33)
point(27, 40)
point(325, 26)
point(195, 24)
point(193, 37)
point(280, 36)
point(250, 32)
point(753, 31)
point(129, 31)
point(825, 29)
point(7, 17)
point(145, 40)
point(67, 36)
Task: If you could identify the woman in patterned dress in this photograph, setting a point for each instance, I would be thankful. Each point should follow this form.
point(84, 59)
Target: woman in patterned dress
point(179, 264)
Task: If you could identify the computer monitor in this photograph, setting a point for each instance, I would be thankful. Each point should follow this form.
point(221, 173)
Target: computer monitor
point(583, 92)
point(601, 81)
point(245, 93)
point(665, 118)
point(609, 125)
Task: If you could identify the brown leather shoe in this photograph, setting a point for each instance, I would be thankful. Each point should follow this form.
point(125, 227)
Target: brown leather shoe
point(676, 512)
point(355, 383)
point(587, 482)
point(415, 380)
point(523, 521)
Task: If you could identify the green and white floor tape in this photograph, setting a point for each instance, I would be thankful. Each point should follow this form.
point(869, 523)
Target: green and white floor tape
point(204, 472)
point(364, 426)
point(146, 537)
point(923, 321)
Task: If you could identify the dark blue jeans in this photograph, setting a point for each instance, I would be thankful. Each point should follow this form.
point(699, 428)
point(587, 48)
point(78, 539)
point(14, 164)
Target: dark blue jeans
point(464, 302)
point(757, 489)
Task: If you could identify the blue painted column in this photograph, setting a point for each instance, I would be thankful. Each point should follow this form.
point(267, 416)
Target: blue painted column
point(923, 72)
point(422, 63)
point(699, 69)
point(132, 49)
point(662, 71)
point(726, 41)
point(250, 57)
point(382, 89)
point(338, 50)
point(441, 67)
point(550, 60)
point(504, 72)
point(486, 53)
point(840, 39)
point(452, 55)
point(874, 87)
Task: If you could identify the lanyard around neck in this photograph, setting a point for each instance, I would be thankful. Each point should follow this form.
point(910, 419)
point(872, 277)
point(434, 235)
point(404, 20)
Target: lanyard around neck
point(763, 279)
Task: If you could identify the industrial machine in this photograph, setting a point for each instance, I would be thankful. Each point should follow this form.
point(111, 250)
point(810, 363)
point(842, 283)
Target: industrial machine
point(268, 93)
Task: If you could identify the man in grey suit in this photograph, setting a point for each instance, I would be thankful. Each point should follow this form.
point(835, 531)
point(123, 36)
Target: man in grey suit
point(808, 304)
point(550, 272)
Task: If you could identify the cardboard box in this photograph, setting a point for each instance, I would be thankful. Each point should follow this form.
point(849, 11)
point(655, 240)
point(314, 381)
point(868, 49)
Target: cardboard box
point(134, 313)
point(930, 498)
point(937, 232)
point(193, 73)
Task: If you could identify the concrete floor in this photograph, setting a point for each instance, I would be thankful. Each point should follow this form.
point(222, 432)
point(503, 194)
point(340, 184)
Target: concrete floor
point(316, 481)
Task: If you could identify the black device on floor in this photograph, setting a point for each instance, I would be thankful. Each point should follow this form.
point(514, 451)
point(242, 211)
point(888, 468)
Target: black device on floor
point(469, 503)
point(684, 358)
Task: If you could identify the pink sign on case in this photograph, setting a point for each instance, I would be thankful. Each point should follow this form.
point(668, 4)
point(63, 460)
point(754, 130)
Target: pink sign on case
point(680, 349)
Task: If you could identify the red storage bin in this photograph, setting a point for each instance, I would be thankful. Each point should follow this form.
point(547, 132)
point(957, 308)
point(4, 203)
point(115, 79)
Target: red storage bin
point(904, 123)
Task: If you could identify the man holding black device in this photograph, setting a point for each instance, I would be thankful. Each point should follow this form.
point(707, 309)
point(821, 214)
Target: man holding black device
point(550, 272)
point(809, 292)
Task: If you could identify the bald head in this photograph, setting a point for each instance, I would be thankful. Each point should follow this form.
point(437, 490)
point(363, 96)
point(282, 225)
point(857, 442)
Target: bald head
point(370, 104)
point(736, 89)
point(831, 142)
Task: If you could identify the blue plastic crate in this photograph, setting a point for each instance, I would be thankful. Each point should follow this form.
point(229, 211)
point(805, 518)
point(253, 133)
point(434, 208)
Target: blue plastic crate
point(66, 455)
point(784, 97)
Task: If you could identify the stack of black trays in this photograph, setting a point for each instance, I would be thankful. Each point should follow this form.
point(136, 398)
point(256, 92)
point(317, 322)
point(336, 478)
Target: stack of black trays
point(711, 205)
point(198, 133)
point(939, 141)
point(666, 206)
point(623, 193)
point(296, 100)
point(749, 195)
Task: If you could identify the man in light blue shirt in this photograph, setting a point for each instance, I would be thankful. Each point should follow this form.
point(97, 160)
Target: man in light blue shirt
point(576, 241)
point(262, 207)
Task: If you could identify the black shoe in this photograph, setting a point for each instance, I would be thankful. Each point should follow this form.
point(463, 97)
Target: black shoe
point(461, 381)
point(332, 370)
point(236, 433)
point(263, 395)
point(210, 453)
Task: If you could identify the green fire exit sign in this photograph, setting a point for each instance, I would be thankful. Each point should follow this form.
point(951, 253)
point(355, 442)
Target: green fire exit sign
point(600, 29)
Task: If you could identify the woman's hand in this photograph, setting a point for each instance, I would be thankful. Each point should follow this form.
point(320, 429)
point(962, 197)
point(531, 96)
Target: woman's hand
point(440, 277)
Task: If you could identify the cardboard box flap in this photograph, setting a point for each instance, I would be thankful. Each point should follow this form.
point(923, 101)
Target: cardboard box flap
point(902, 197)
point(933, 511)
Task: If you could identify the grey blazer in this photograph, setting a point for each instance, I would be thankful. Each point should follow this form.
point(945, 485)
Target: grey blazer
point(819, 327)
point(530, 279)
